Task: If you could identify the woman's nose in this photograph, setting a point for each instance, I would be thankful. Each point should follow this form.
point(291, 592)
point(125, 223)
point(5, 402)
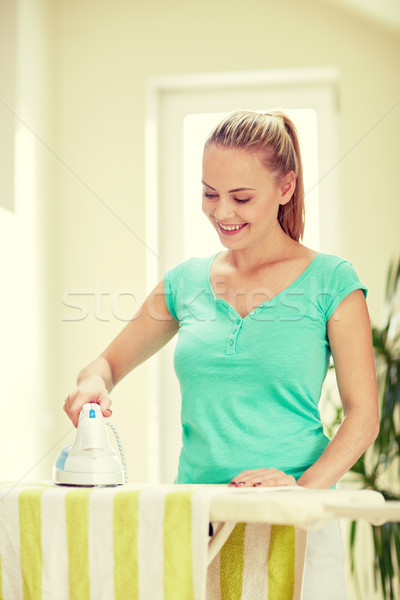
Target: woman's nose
point(224, 210)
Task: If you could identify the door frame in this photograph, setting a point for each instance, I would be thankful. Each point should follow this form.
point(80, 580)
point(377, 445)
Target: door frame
point(163, 415)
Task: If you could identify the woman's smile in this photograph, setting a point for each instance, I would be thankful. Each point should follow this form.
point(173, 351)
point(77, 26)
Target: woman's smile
point(226, 229)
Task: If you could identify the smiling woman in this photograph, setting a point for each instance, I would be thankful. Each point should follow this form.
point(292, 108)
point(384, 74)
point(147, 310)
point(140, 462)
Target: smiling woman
point(251, 371)
point(251, 170)
point(263, 427)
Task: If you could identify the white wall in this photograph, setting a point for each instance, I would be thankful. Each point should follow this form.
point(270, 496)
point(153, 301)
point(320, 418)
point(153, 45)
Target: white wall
point(26, 363)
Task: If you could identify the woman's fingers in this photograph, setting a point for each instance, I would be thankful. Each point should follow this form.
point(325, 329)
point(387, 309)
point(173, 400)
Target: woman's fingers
point(73, 407)
point(88, 391)
point(105, 404)
point(262, 477)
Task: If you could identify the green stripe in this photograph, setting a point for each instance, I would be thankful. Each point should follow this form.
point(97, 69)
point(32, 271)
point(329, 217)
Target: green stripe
point(178, 570)
point(126, 576)
point(232, 563)
point(77, 522)
point(30, 523)
point(281, 563)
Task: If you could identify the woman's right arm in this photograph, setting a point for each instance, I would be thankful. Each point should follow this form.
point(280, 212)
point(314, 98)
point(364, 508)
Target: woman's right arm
point(149, 330)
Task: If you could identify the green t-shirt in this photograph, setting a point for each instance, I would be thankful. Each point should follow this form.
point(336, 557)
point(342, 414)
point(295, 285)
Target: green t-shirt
point(251, 386)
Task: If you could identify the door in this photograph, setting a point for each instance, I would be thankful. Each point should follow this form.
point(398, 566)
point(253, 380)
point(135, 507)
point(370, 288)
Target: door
point(181, 113)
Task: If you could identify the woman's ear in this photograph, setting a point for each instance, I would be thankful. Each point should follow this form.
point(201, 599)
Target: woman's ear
point(287, 187)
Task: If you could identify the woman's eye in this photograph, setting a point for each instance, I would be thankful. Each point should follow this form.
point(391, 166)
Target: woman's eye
point(213, 196)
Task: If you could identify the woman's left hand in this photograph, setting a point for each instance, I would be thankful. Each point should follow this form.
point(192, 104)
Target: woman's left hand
point(262, 477)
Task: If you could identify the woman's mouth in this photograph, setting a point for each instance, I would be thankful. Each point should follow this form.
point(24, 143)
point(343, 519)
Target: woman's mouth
point(230, 229)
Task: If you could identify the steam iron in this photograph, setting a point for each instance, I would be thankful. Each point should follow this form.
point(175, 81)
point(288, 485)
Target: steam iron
point(90, 460)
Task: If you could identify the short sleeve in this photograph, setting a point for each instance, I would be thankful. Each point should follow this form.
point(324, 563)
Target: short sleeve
point(344, 281)
point(170, 292)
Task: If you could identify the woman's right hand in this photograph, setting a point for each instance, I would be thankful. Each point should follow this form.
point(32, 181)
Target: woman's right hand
point(90, 389)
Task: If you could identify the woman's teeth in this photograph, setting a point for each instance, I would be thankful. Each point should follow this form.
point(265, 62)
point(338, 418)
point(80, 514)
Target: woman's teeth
point(231, 227)
point(229, 230)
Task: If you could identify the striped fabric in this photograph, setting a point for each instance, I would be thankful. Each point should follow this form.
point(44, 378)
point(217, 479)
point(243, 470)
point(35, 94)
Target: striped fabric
point(259, 562)
point(133, 542)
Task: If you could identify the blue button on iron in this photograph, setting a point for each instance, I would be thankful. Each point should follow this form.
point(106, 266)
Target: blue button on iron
point(92, 413)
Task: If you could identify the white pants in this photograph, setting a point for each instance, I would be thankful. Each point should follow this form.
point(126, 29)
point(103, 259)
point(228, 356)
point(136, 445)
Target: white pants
point(324, 574)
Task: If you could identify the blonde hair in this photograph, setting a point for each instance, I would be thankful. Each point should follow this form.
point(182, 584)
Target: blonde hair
point(273, 136)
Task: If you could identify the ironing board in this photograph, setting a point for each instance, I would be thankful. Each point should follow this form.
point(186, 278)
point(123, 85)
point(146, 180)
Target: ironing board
point(284, 506)
point(289, 505)
point(304, 508)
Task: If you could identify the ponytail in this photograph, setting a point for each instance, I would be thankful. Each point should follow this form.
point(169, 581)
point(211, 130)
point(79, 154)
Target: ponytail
point(291, 215)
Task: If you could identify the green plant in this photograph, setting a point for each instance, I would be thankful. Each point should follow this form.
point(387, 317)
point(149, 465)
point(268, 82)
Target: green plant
point(379, 467)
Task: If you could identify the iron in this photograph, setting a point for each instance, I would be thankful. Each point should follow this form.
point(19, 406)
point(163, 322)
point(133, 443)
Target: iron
point(90, 460)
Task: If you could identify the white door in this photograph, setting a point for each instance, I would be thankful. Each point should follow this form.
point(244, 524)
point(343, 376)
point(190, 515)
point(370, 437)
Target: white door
point(181, 113)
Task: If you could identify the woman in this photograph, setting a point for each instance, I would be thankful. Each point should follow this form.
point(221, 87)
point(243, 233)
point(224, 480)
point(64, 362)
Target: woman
point(257, 325)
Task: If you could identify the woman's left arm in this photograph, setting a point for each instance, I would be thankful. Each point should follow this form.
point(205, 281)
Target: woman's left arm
point(350, 338)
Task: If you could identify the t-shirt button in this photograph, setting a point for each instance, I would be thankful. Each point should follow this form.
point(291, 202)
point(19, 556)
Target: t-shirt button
point(231, 342)
point(234, 330)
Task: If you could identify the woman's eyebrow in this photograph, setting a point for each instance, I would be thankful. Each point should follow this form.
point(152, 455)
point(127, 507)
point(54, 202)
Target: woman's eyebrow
point(230, 191)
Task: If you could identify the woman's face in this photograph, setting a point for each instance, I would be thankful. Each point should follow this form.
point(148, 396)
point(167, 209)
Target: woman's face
point(241, 196)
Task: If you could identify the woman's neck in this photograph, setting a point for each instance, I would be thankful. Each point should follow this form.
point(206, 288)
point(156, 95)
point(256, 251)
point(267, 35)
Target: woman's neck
point(272, 247)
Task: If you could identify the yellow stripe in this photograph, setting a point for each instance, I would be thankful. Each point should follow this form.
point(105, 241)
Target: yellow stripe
point(178, 574)
point(30, 523)
point(77, 521)
point(126, 577)
point(232, 563)
point(281, 563)
point(1, 587)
